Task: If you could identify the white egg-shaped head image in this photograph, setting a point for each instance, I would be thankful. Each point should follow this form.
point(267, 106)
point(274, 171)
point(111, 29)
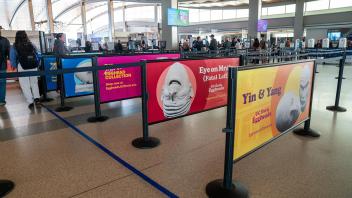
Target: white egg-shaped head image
point(287, 111)
point(304, 86)
point(177, 91)
point(84, 80)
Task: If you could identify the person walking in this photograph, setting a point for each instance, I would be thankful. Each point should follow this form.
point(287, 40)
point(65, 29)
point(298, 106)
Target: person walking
point(4, 55)
point(24, 56)
point(213, 44)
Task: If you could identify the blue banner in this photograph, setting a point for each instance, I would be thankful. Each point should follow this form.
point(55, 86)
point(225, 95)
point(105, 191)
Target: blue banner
point(51, 80)
point(79, 83)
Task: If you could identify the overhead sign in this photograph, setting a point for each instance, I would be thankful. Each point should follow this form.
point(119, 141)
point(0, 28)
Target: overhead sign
point(177, 17)
point(262, 25)
point(179, 88)
point(270, 101)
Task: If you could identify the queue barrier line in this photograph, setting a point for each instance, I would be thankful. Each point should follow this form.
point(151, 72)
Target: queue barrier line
point(78, 131)
point(114, 156)
point(66, 71)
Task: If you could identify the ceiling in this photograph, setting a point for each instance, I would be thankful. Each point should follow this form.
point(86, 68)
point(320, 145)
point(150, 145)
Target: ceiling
point(15, 13)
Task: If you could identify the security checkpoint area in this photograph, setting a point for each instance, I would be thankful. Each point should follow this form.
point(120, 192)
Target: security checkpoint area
point(187, 99)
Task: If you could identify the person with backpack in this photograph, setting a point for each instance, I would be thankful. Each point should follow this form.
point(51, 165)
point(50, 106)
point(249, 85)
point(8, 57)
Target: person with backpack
point(24, 56)
point(4, 54)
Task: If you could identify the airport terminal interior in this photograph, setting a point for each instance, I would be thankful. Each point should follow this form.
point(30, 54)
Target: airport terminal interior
point(176, 98)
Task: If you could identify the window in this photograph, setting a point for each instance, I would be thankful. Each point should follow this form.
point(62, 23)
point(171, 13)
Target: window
point(118, 15)
point(242, 13)
point(193, 15)
point(317, 5)
point(139, 13)
point(276, 10)
point(216, 15)
point(340, 3)
point(264, 11)
point(204, 15)
point(228, 14)
point(291, 8)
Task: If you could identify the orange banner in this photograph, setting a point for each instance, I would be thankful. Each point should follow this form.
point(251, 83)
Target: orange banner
point(269, 102)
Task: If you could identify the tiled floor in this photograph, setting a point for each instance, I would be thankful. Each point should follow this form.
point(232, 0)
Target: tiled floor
point(46, 158)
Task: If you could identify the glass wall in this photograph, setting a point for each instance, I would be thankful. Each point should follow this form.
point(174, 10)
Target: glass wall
point(198, 15)
point(218, 14)
point(326, 4)
point(143, 13)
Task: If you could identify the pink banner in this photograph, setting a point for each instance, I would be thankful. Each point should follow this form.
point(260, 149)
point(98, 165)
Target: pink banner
point(124, 83)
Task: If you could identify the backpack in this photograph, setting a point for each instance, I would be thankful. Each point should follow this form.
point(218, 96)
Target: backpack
point(28, 57)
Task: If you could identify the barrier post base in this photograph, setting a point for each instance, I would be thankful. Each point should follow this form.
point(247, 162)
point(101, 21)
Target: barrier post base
point(343, 78)
point(63, 108)
point(336, 108)
point(304, 132)
point(98, 119)
point(6, 186)
point(147, 143)
point(215, 189)
point(46, 100)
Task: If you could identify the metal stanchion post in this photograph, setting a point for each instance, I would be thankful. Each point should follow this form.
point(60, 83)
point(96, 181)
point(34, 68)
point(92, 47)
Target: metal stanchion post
point(306, 130)
point(98, 117)
point(43, 84)
point(344, 61)
point(226, 188)
point(62, 107)
point(336, 107)
point(146, 141)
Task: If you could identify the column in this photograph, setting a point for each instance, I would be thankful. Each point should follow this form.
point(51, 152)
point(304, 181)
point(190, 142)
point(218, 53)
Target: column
point(111, 20)
point(31, 14)
point(156, 13)
point(298, 24)
point(50, 16)
point(255, 10)
point(124, 28)
point(84, 19)
point(168, 33)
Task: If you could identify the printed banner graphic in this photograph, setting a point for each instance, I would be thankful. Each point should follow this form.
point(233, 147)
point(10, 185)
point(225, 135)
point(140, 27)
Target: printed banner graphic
point(79, 83)
point(123, 83)
point(51, 80)
point(178, 88)
point(270, 101)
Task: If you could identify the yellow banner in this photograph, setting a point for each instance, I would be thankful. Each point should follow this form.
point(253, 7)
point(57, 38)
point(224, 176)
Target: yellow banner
point(270, 101)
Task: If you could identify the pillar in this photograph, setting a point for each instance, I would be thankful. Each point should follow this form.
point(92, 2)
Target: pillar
point(255, 10)
point(111, 20)
point(156, 13)
point(124, 28)
point(168, 33)
point(298, 27)
point(31, 14)
point(84, 19)
point(50, 16)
